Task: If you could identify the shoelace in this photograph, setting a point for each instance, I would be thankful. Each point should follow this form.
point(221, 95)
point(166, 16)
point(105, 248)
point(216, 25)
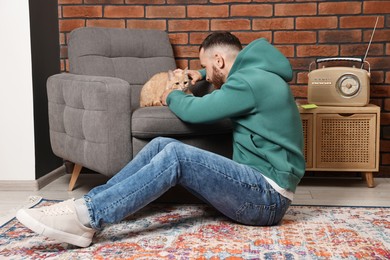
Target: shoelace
point(57, 210)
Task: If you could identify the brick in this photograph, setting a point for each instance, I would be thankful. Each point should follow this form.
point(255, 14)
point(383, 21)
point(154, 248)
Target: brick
point(295, 9)
point(113, 11)
point(273, 24)
point(380, 91)
point(198, 11)
point(385, 146)
point(63, 52)
point(228, 1)
point(147, 24)
point(150, 2)
point(230, 24)
point(295, 37)
point(379, 36)
point(112, 2)
point(178, 38)
point(376, 7)
point(188, 25)
point(340, 8)
point(302, 77)
point(360, 49)
point(252, 10)
point(248, 37)
point(386, 129)
point(183, 1)
point(317, 50)
point(385, 159)
point(385, 120)
point(360, 22)
point(181, 63)
point(82, 11)
point(387, 77)
point(69, 25)
point(377, 77)
point(376, 101)
point(111, 23)
point(287, 50)
point(340, 36)
point(388, 49)
point(195, 65)
point(64, 2)
point(387, 108)
point(197, 38)
point(316, 22)
point(62, 38)
point(165, 12)
point(62, 65)
point(379, 63)
point(299, 91)
point(300, 63)
point(186, 51)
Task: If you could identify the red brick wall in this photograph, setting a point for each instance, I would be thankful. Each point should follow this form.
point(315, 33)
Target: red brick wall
point(302, 29)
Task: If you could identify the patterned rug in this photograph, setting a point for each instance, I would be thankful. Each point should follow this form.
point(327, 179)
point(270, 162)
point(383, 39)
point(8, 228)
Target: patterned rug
point(172, 231)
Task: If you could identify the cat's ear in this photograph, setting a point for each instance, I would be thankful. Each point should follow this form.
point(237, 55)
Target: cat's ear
point(170, 74)
point(186, 70)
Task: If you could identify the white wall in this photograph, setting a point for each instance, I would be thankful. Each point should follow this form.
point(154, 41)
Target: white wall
point(17, 156)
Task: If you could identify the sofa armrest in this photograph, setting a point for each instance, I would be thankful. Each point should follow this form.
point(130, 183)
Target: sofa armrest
point(89, 120)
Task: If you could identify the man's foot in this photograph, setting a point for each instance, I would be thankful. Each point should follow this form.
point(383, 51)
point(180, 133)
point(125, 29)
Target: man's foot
point(58, 221)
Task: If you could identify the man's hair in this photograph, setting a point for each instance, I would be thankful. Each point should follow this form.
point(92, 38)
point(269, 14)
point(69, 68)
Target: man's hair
point(221, 39)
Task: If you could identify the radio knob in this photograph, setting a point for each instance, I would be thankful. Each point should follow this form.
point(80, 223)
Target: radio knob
point(348, 85)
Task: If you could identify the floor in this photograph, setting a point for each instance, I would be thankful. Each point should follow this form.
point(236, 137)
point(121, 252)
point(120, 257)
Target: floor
point(347, 191)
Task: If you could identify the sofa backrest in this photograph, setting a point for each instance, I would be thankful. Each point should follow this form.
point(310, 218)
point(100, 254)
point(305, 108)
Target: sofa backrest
point(129, 54)
point(133, 55)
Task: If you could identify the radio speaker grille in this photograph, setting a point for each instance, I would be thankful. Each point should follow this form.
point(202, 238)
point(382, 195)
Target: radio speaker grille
point(345, 141)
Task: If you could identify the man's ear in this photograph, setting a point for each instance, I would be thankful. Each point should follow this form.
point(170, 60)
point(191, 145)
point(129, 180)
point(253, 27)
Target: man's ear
point(219, 61)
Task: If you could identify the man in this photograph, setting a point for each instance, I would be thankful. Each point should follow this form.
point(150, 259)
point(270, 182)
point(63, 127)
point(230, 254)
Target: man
point(255, 188)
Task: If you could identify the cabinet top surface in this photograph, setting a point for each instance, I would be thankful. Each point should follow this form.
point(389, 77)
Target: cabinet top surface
point(370, 108)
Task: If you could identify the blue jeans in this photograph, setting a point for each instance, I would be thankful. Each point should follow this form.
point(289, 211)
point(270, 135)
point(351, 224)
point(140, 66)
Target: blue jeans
point(238, 191)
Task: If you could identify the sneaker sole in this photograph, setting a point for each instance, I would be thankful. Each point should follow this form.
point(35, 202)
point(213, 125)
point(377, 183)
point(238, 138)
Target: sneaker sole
point(44, 230)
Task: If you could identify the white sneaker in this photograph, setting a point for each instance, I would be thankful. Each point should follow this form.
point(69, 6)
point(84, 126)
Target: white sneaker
point(58, 221)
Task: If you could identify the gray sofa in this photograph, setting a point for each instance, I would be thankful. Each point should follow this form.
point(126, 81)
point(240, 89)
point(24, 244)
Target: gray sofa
point(94, 115)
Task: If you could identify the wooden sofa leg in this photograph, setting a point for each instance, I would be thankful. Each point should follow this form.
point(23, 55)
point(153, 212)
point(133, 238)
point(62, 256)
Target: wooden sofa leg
point(75, 174)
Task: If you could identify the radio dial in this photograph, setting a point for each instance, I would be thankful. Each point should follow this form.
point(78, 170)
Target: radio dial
point(348, 85)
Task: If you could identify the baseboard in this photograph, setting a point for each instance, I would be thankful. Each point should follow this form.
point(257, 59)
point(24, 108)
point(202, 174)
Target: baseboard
point(33, 185)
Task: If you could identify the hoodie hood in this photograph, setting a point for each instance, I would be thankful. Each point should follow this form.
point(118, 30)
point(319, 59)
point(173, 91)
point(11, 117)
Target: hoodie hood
point(262, 55)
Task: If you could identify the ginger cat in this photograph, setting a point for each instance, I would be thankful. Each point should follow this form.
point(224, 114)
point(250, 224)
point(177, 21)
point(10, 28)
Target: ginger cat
point(153, 89)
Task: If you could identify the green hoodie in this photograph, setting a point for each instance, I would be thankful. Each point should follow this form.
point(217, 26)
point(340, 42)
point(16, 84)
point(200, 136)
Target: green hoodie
point(267, 129)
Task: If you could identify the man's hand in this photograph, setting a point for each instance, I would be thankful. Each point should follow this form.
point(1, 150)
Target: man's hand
point(193, 74)
point(164, 96)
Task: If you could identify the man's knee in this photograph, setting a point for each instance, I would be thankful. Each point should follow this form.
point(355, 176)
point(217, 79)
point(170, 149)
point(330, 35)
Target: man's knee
point(162, 141)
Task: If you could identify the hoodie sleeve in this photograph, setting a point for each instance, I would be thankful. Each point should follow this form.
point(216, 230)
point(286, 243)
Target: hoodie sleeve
point(234, 99)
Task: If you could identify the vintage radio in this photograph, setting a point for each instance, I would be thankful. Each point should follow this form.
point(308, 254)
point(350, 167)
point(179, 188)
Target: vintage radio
point(339, 86)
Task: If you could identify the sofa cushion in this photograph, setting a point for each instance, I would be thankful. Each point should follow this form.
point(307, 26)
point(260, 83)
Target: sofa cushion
point(150, 122)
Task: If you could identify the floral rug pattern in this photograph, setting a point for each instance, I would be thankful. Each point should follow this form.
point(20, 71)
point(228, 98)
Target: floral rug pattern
point(173, 231)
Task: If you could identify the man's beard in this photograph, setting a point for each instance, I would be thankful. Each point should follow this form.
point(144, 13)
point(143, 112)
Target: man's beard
point(217, 80)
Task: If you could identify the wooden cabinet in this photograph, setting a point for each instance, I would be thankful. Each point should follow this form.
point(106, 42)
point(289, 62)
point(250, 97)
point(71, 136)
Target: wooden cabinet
point(342, 139)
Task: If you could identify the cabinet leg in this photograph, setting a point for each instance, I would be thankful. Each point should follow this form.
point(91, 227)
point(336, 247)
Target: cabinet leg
point(368, 176)
point(75, 175)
